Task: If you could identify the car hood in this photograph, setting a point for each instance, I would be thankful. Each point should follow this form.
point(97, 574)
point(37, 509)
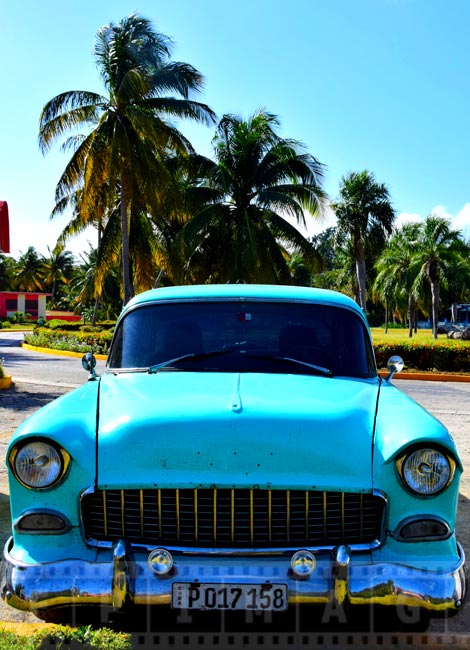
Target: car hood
point(180, 429)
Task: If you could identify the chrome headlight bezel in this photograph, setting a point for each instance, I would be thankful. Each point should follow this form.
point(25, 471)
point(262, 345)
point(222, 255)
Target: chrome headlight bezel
point(426, 456)
point(53, 452)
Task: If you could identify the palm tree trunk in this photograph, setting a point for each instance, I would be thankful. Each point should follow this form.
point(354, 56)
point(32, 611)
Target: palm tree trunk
point(411, 314)
point(126, 278)
point(97, 293)
point(435, 306)
point(361, 274)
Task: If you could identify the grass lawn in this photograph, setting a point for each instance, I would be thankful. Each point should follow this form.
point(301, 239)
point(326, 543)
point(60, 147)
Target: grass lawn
point(401, 336)
point(19, 326)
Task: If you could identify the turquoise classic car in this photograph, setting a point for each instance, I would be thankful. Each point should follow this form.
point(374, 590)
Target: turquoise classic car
point(240, 452)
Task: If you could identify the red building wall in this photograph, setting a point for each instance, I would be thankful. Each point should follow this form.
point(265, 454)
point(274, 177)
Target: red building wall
point(28, 304)
point(4, 228)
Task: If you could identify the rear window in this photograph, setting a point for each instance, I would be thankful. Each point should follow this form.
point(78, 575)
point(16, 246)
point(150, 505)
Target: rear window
point(251, 336)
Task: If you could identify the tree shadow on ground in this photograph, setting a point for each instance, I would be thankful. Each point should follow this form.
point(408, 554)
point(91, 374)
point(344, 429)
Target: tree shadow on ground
point(30, 399)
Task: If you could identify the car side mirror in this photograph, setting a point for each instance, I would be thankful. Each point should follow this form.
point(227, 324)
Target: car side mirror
point(394, 365)
point(89, 364)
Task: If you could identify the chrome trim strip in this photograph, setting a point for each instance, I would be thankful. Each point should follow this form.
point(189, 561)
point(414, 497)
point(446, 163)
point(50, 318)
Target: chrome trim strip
point(123, 514)
point(288, 514)
point(215, 516)
point(252, 525)
point(196, 520)
point(105, 513)
point(306, 510)
point(178, 524)
point(232, 514)
point(238, 552)
point(159, 497)
point(342, 514)
point(361, 516)
point(270, 516)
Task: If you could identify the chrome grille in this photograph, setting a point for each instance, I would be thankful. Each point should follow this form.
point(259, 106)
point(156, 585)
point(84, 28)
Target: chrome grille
point(239, 518)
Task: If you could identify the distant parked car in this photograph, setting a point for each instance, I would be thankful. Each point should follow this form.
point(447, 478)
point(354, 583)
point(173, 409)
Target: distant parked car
point(240, 452)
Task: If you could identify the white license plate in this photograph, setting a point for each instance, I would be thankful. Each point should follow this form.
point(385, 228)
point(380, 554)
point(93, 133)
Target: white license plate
point(210, 596)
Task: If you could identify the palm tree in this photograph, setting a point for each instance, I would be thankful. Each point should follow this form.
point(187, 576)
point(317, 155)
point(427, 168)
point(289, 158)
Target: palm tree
point(458, 281)
point(240, 231)
point(437, 253)
point(30, 271)
point(129, 131)
point(7, 272)
point(58, 269)
point(364, 214)
point(89, 287)
point(397, 271)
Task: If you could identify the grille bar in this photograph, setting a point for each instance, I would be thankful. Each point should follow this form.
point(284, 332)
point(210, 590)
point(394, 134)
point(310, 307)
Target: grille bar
point(238, 518)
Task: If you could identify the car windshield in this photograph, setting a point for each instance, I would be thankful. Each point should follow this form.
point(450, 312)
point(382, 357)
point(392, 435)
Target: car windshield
point(243, 336)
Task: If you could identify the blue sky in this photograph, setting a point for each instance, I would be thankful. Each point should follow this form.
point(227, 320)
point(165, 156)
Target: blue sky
point(382, 85)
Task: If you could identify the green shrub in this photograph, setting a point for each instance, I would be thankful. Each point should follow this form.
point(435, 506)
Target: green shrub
point(97, 342)
point(62, 637)
point(444, 356)
point(11, 641)
point(56, 324)
point(107, 324)
point(91, 328)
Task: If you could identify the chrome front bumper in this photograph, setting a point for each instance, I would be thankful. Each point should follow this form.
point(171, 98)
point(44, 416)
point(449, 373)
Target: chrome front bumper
point(125, 579)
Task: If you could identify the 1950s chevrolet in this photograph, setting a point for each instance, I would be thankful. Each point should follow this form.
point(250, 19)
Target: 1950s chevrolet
point(240, 451)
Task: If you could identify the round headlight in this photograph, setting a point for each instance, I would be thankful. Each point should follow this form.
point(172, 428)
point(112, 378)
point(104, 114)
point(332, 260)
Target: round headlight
point(426, 471)
point(38, 464)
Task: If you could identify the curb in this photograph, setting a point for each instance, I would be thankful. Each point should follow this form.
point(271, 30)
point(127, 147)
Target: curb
point(25, 629)
point(61, 353)
point(426, 376)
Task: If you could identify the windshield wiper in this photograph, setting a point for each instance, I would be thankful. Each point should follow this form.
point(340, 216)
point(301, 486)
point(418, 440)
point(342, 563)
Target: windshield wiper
point(326, 372)
point(193, 356)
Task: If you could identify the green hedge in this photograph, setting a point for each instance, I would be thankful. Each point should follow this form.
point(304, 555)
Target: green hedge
point(445, 356)
point(97, 342)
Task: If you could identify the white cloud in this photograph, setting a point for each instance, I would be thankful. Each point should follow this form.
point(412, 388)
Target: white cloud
point(407, 217)
point(460, 221)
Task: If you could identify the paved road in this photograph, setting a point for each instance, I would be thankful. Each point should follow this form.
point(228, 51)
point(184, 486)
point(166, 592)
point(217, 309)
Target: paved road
point(42, 377)
point(39, 368)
